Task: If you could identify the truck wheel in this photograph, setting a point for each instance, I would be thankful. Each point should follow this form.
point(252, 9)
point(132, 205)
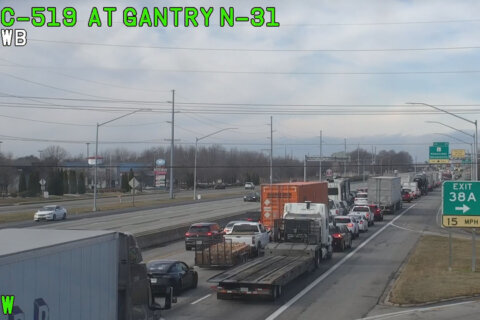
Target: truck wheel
point(329, 253)
point(318, 258)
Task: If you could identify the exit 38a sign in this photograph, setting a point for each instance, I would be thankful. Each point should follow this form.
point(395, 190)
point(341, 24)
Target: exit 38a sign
point(461, 204)
point(461, 198)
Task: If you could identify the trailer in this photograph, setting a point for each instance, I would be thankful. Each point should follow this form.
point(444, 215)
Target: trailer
point(223, 254)
point(74, 274)
point(386, 193)
point(300, 243)
point(275, 196)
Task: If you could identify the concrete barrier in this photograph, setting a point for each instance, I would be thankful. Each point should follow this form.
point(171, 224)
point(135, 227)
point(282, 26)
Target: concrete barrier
point(156, 238)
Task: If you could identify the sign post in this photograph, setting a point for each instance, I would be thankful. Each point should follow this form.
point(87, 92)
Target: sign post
point(461, 208)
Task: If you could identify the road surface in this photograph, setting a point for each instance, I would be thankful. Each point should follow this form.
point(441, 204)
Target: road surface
point(350, 286)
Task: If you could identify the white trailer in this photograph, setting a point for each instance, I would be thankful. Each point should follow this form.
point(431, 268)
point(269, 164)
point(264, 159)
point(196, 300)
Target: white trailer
point(73, 274)
point(386, 192)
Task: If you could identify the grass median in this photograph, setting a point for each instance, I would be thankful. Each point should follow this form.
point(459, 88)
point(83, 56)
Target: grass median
point(425, 278)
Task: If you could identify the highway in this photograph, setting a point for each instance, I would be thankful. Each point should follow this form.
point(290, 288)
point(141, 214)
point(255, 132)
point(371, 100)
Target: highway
point(101, 201)
point(350, 286)
point(148, 220)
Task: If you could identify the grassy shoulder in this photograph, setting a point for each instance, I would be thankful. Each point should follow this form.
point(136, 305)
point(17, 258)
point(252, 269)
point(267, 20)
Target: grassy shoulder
point(425, 278)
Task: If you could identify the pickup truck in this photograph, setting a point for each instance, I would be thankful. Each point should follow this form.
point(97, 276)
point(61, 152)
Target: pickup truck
point(251, 233)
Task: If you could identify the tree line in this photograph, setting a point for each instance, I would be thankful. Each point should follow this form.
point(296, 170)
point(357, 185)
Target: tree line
point(215, 164)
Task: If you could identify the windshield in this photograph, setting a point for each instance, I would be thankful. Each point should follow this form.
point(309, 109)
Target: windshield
point(160, 267)
point(244, 228)
point(361, 209)
point(343, 220)
point(199, 229)
point(48, 208)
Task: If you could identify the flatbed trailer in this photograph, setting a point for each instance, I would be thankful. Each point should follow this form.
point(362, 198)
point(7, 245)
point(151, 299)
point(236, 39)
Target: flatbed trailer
point(263, 276)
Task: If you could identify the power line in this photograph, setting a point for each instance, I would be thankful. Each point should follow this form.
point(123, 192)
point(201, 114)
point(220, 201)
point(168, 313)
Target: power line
point(251, 50)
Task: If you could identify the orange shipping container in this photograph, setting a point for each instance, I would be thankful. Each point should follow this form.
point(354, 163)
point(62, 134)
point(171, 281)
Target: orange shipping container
point(275, 196)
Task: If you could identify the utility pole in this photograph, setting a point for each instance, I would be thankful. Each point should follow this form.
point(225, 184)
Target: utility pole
point(305, 169)
point(271, 149)
point(172, 144)
point(345, 161)
point(358, 160)
point(88, 149)
point(320, 165)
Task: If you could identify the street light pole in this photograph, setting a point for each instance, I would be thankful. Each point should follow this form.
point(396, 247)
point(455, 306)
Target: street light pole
point(172, 144)
point(195, 158)
point(464, 119)
point(96, 154)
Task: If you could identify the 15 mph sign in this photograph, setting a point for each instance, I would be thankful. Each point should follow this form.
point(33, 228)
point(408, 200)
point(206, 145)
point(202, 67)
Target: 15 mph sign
point(461, 206)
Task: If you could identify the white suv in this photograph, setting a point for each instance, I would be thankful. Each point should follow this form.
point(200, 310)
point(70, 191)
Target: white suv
point(364, 211)
point(249, 186)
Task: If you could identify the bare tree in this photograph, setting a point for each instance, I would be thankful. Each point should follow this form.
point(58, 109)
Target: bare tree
point(54, 154)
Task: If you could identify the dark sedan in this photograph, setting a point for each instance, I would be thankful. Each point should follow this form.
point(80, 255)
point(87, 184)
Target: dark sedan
point(252, 197)
point(341, 237)
point(170, 273)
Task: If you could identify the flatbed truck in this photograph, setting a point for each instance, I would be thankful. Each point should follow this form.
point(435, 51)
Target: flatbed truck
point(301, 242)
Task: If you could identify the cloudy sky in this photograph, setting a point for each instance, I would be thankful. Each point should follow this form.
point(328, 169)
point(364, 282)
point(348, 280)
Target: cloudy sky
point(344, 67)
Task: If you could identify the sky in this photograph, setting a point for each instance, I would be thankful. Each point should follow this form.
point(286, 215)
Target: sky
point(346, 68)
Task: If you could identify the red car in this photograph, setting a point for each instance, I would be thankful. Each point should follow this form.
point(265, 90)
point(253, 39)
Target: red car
point(406, 195)
point(377, 212)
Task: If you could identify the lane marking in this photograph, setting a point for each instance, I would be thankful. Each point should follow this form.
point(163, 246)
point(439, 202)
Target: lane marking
point(394, 314)
point(201, 299)
point(322, 277)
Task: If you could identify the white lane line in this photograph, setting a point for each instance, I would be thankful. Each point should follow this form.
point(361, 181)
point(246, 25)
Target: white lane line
point(394, 314)
point(201, 299)
point(289, 303)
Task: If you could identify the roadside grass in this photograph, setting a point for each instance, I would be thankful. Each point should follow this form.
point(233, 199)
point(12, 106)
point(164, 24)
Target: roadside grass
point(425, 278)
point(126, 203)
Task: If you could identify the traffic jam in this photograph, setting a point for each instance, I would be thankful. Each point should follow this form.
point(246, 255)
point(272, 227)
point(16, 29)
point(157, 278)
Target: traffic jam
point(300, 225)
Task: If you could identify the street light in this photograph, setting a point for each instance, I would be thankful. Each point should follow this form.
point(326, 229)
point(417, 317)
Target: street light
point(195, 161)
point(464, 119)
point(96, 153)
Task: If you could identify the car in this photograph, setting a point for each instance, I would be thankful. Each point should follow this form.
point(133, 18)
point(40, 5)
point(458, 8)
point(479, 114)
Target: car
point(341, 237)
point(377, 212)
point(219, 186)
point(366, 212)
point(249, 186)
point(51, 212)
point(406, 195)
point(350, 222)
point(252, 197)
point(170, 273)
point(335, 208)
point(208, 232)
point(362, 222)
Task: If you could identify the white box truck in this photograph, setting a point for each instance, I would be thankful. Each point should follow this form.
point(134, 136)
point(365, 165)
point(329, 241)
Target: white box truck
point(386, 192)
point(74, 274)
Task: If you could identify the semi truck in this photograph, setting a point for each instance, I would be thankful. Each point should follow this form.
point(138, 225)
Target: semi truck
point(301, 242)
point(386, 192)
point(75, 274)
point(275, 196)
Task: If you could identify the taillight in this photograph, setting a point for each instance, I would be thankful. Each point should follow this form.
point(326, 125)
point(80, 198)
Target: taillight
point(368, 215)
point(361, 222)
point(337, 235)
point(378, 210)
point(209, 233)
point(187, 234)
point(336, 211)
point(350, 225)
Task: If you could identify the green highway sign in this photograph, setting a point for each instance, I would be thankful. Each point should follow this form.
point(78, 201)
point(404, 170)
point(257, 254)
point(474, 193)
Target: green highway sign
point(461, 198)
point(439, 152)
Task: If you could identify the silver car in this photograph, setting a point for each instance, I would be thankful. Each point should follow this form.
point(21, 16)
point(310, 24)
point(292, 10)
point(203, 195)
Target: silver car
point(350, 222)
point(362, 222)
point(50, 213)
